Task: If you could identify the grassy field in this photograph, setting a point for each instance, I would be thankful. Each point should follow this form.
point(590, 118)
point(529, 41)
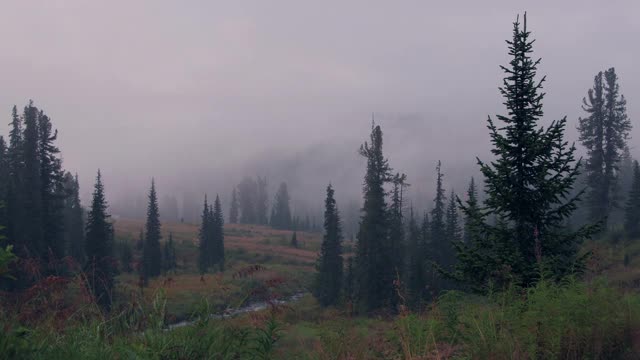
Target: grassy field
point(595, 317)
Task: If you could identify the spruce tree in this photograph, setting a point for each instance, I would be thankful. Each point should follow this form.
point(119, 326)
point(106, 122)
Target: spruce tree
point(472, 206)
point(32, 205)
point(217, 235)
point(374, 268)
point(233, 211)
point(604, 133)
point(247, 200)
point(440, 245)
point(416, 252)
point(4, 187)
point(527, 186)
point(99, 248)
point(294, 240)
point(73, 222)
point(204, 239)
point(329, 266)
point(453, 230)
point(397, 226)
point(152, 252)
point(52, 188)
point(261, 201)
point(281, 213)
point(632, 210)
point(16, 187)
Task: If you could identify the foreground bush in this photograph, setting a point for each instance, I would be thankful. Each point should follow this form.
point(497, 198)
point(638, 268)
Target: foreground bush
point(574, 320)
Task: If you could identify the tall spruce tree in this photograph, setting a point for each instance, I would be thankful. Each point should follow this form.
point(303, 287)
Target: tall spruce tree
point(281, 213)
point(73, 222)
point(204, 239)
point(416, 264)
point(440, 245)
point(15, 190)
point(52, 188)
point(152, 252)
point(472, 207)
point(453, 231)
point(632, 210)
point(217, 235)
point(248, 194)
point(374, 268)
point(32, 182)
point(527, 187)
point(397, 228)
point(233, 209)
point(99, 248)
point(329, 266)
point(604, 133)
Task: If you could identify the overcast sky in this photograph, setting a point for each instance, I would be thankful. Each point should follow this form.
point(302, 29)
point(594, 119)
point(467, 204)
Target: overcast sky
point(195, 90)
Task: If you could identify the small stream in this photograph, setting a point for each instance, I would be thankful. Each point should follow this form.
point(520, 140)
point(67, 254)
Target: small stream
point(252, 307)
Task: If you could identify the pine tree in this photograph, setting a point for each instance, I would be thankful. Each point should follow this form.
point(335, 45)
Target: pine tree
point(604, 133)
point(527, 187)
point(375, 274)
point(632, 210)
point(52, 188)
point(152, 252)
point(329, 266)
point(73, 223)
point(281, 213)
point(204, 238)
point(452, 224)
point(261, 202)
point(16, 187)
point(416, 252)
point(472, 207)
point(233, 212)
point(32, 206)
point(217, 234)
point(440, 245)
point(248, 194)
point(99, 248)
point(397, 230)
point(294, 240)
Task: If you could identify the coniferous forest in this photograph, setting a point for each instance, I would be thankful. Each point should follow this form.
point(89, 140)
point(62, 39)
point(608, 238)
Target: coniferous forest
point(530, 252)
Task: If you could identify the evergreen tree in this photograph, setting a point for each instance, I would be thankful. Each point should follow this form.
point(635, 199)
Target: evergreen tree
point(452, 225)
point(416, 279)
point(73, 222)
point(397, 228)
point(329, 266)
point(472, 206)
point(632, 210)
point(52, 188)
point(248, 190)
point(375, 273)
point(4, 187)
point(233, 212)
point(16, 187)
point(32, 206)
point(99, 248)
point(527, 187)
point(261, 201)
point(217, 234)
point(441, 246)
point(294, 240)
point(204, 237)
point(604, 133)
point(281, 213)
point(152, 252)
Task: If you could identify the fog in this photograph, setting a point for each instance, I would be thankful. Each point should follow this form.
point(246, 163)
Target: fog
point(198, 93)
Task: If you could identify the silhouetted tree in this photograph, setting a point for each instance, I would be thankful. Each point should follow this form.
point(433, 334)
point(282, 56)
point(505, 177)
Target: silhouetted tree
point(100, 268)
point(281, 213)
point(217, 235)
point(604, 133)
point(329, 266)
point(233, 209)
point(152, 252)
point(73, 222)
point(472, 206)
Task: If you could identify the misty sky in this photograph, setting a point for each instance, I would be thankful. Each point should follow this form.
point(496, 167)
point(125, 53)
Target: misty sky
point(196, 92)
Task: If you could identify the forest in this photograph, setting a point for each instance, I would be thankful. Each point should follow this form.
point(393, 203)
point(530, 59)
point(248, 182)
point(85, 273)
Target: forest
point(538, 257)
